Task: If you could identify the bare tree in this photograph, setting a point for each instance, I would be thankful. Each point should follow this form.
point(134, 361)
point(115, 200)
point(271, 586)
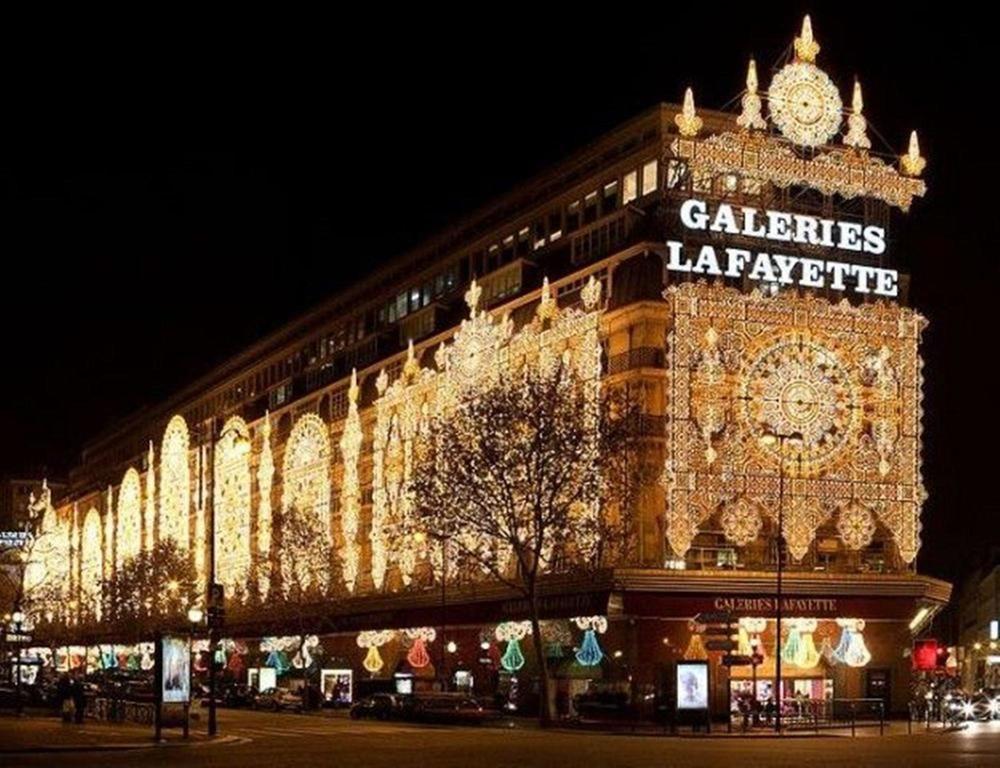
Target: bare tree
point(151, 590)
point(516, 479)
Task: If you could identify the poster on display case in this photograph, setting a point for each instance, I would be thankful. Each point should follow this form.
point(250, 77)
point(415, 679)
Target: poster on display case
point(175, 669)
point(337, 686)
point(692, 685)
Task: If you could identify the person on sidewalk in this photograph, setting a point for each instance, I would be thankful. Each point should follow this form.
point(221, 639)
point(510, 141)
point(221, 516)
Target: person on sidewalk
point(64, 694)
point(79, 700)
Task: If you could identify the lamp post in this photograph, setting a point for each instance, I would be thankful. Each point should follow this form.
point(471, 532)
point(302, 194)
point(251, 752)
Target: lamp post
point(241, 444)
point(18, 620)
point(779, 439)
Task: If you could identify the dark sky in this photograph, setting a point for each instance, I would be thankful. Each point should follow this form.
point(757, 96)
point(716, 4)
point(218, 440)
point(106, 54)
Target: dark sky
point(172, 188)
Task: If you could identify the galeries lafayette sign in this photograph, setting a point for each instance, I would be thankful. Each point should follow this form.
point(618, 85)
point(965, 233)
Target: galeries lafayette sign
point(777, 268)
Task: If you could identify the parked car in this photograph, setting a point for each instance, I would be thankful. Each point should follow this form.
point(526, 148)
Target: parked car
point(228, 695)
point(277, 699)
point(454, 708)
point(378, 706)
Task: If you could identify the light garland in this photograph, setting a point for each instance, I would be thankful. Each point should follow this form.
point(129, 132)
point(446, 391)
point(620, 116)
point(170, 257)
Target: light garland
point(306, 492)
point(512, 632)
point(149, 520)
point(417, 657)
point(175, 484)
point(749, 630)
point(265, 480)
point(372, 640)
point(800, 647)
point(232, 505)
point(350, 492)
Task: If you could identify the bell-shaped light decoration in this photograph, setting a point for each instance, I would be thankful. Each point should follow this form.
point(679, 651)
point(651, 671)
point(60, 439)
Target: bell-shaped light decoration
point(751, 115)
point(417, 656)
point(913, 163)
point(857, 654)
point(512, 659)
point(806, 47)
point(790, 651)
point(808, 657)
point(688, 122)
point(590, 653)
point(857, 126)
point(373, 660)
point(695, 650)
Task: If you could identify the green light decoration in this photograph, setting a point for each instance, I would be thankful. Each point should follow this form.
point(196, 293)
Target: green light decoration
point(512, 659)
point(590, 653)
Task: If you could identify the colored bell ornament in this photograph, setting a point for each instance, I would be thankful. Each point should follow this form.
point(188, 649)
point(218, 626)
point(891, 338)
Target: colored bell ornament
point(840, 652)
point(590, 653)
point(696, 649)
point(418, 657)
point(790, 653)
point(743, 647)
point(373, 661)
point(857, 654)
point(808, 655)
point(826, 651)
point(512, 659)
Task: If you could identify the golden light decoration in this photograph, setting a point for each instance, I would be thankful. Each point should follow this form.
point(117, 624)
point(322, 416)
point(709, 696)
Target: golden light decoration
point(856, 525)
point(128, 531)
point(232, 505)
point(806, 47)
point(350, 492)
point(482, 352)
point(913, 163)
point(110, 522)
point(804, 104)
point(91, 563)
point(832, 171)
point(741, 522)
point(265, 481)
point(175, 484)
point(372, 640)
point(305, 484)
point(845, 379)
point(751, 116)
point(857, 126)
point(149, 518)
point(688, 122)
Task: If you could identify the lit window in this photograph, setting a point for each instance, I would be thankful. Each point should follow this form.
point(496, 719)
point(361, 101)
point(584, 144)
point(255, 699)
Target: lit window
point(649, 177)
point(630, 187)
point(401, 308)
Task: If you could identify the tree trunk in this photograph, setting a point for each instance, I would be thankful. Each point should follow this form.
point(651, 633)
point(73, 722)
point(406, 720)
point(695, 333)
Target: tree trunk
point(545, 716)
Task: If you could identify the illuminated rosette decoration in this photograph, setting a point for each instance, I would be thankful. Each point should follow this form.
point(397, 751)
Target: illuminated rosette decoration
point(512, 633)
point(417, 657)
point(695, 650)
point(749, 632)
point(146, 658)
point(590, 653)
point(372, 639)
point(851, 649)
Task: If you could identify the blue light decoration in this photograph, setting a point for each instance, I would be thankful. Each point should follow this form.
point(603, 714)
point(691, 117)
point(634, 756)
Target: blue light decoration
point(512, 659)
point(790, 653)
point(108, 658)
point(840, 652)
point(590, 653)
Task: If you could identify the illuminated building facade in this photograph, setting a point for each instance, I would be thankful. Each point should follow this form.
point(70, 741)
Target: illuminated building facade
point(735, 269)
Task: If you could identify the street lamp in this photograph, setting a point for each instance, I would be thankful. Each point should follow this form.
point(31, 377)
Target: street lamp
point(195, 616)
point(18, 618)
point(769, 439)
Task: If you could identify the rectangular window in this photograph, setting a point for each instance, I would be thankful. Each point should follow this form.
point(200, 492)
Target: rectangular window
point(610, 197)
point(401, 305)
point(630, 187)
point(649, 177)
point(573, 216)
point(590, 208)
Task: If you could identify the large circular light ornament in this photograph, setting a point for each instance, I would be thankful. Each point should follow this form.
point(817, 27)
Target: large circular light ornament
point(804, 104)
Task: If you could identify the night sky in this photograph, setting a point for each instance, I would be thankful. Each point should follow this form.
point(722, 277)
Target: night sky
point(173, 188)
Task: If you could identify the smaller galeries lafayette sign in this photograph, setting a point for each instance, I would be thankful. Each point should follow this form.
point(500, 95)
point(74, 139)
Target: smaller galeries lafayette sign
point(777, 268)
point(807, 606)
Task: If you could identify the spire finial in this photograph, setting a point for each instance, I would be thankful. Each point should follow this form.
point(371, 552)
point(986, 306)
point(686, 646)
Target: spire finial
point(352, 391)
point(806, 47)
point(688, 121)
point(857, 126)
point(472, 296)
point(913, 162)
point(411, 368)
point(751, 116)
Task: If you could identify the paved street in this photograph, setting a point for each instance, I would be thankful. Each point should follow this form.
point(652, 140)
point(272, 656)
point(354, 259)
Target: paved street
point(286, 740)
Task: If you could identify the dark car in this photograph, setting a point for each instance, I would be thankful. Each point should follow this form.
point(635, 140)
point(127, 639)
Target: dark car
point(378, 706)
point(455, 708)
point(277, 699)
point(229, 695)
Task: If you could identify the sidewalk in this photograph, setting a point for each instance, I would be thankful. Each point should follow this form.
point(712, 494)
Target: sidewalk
point(47, 733)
